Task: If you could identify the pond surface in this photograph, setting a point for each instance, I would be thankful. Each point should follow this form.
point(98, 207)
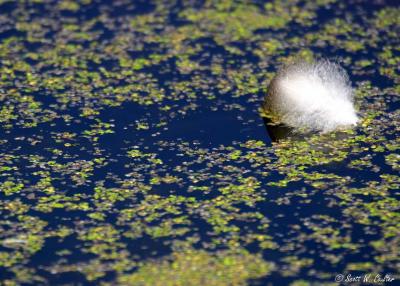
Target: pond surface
point(133, 151)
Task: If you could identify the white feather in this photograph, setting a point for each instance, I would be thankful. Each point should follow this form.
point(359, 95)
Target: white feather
point(314, 96)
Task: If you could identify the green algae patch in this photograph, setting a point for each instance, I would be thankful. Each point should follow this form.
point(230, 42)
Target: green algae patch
point(194, 267)
point(237, 24)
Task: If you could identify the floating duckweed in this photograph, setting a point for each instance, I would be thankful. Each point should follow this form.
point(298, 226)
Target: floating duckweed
point(193, 267)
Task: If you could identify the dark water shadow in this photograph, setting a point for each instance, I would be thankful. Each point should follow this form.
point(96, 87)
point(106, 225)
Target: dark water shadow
point(279, 131)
